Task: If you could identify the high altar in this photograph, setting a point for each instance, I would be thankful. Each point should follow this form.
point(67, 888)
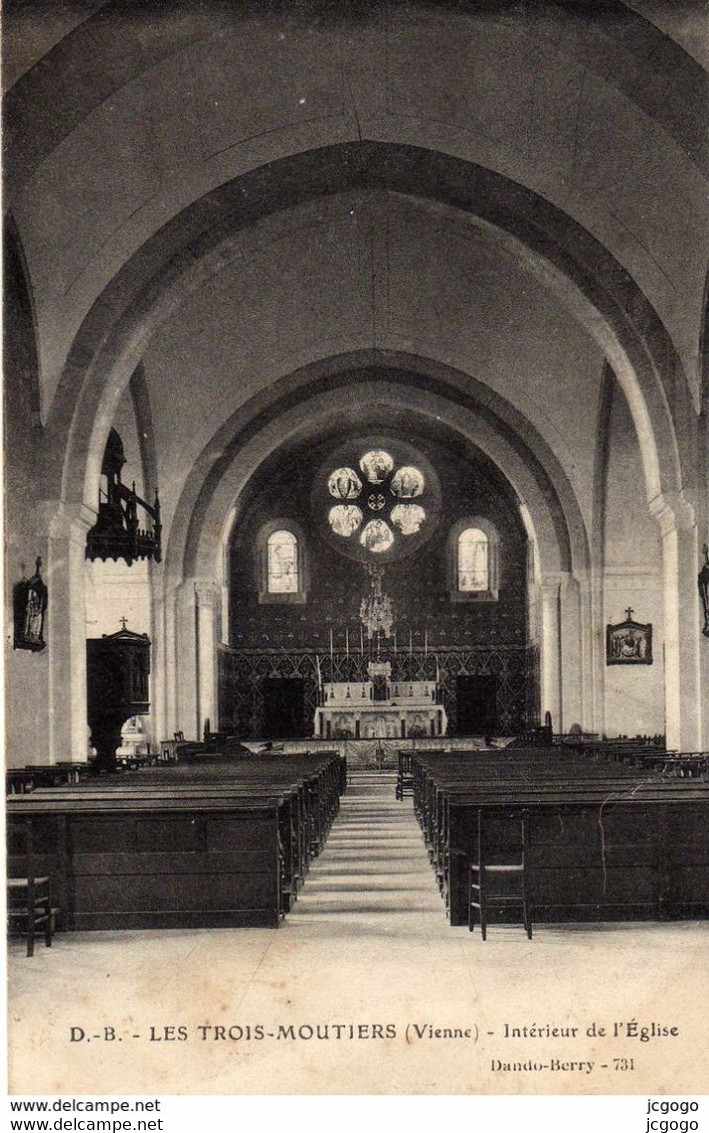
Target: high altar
point(379, 708)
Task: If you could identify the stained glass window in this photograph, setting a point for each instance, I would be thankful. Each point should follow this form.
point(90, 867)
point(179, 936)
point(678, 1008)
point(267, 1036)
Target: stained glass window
point(376, 465)
point(408, 518)
point(377, 536)
point(344, 519)
point(282, 552)
point(473, 560)
point(407, 482)
point(344, 484)
point(380, 488)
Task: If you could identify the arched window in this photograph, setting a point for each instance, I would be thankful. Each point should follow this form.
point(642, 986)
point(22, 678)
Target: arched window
point(473, 561)
point(282, 565)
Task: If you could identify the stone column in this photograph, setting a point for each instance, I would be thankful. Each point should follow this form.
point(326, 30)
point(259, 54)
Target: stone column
point(66, 630)
point(704, 670)
point(207, 614)
point(680, 562)
point(185, 660)
point(550, 657)
point(224, 615)
point(592, 662)
point(196, 611)
point(168, 673)
point(571, 655)
point(158, 658)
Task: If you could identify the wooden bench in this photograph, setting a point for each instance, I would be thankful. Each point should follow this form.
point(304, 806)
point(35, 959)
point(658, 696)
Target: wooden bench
point(20, 780)
point(627, 856)
point(451, 793)
point(164, 848)
point(433, 776)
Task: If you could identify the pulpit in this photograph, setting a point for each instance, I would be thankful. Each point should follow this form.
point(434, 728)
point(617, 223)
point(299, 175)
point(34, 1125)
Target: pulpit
point(118, 670)
point(380, 708)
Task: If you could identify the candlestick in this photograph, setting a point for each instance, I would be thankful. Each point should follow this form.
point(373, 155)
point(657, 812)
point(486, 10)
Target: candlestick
point(425, 642)
point(331, 652)
point(411, 642)
point(395, 644)
point(361, 641)
point(347, 644)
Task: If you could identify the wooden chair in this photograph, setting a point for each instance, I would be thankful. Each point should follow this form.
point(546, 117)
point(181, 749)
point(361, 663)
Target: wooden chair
point(498, 878)
point(168, 750)
point(405, 776)
point(29, 906)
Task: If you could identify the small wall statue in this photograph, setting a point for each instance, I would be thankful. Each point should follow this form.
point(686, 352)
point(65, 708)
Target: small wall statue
point(703, 582)
point(29, 599)
point(629, 642)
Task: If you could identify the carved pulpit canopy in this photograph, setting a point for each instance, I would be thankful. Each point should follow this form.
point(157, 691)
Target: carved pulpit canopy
point(117, 533)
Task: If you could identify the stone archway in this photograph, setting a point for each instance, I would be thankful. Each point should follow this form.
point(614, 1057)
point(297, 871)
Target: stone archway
point(195, 554)
point(610, 310)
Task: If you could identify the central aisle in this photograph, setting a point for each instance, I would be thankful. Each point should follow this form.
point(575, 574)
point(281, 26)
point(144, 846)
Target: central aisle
point(374, 863)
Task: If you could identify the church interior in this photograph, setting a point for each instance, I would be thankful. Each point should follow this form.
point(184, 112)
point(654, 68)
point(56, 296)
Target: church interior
point(356, 515)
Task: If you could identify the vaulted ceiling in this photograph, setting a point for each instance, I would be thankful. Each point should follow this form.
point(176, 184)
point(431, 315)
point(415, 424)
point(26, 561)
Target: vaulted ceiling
point(233, 194)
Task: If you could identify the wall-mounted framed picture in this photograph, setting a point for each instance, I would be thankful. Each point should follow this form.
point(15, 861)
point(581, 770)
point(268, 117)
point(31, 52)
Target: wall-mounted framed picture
point(29, 609)
point(629, 642)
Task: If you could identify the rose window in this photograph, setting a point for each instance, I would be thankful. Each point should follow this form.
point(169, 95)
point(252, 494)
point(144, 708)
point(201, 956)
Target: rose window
point(377, 518)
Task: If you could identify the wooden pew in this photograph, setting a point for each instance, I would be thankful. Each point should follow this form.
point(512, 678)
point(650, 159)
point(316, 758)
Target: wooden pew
point(209, 846)
point(595, 856)
point(552, 787)
point(20, 780)
point(451, 790)
point(553, 777)
point(461, 770)
point(147, 863)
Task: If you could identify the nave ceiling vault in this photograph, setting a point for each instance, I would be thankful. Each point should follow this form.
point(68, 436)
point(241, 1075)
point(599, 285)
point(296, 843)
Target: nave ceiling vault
point(118, 348)
point(484, 224)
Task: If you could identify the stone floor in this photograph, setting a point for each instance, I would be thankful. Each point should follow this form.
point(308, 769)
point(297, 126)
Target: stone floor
point(347, 996)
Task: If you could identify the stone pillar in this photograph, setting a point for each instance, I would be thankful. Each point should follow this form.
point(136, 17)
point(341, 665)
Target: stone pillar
point(224, 615)
point(158, 658)
point(550, 657)
point(704, 671)
point(680, 562)
point(207, 614)
point(192, 669)
point(66, 630)
point(168, 672)
point(185, 660)
point(571, 655)
point(592, 662)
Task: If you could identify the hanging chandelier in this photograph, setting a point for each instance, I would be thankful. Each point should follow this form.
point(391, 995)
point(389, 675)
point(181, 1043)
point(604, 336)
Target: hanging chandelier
point(376, 611)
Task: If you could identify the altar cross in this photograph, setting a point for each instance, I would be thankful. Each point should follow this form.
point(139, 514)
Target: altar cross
point(629, 613)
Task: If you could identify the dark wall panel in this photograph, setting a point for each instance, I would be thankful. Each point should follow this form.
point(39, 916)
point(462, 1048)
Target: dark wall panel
point(435, 636)
point(419, 585)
